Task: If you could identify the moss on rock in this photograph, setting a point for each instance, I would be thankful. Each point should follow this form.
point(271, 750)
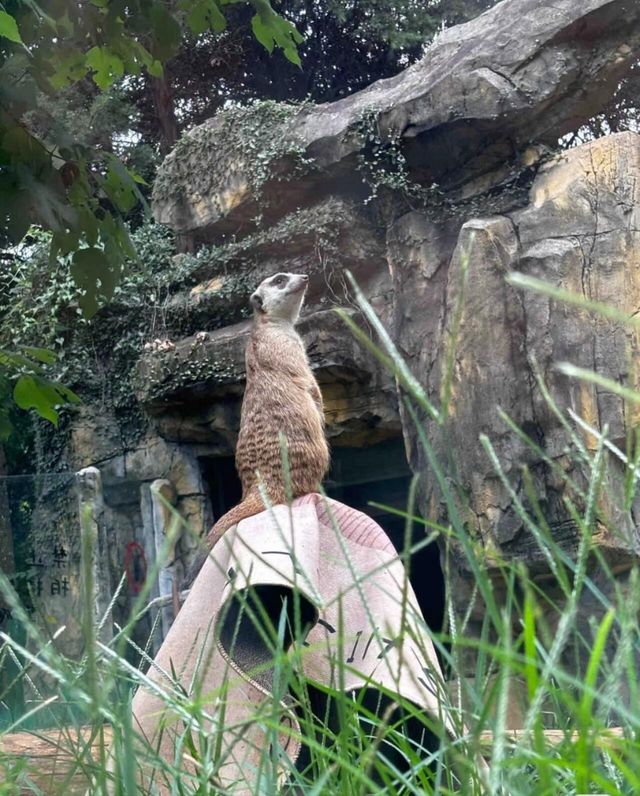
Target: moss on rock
point(230, 158)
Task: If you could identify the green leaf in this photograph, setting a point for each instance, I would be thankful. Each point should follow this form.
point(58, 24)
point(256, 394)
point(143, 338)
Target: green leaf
point(96, 276)
point(205, 15)
point(272, 30)
point(291, 54)
point(166, 32)
point(63, 242)
point(13, 361)
point(113, 231)
point(155, 69)
point(119, 189)
point(69, 70)
point(9, 28)
point(263, 33)
point(65, 25)
point(107, 66)
point(121, 185)
point(137, 178)
point(217, 20)
point(89, 225)
point(133, 54)
point(41, 354)
point(33, 392)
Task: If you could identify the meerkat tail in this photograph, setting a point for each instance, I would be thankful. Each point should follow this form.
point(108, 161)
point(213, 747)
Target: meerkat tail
point(252, 504)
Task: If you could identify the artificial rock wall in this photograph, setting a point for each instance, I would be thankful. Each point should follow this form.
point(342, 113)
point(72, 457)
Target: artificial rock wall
point(445, 170)
point(578, 230)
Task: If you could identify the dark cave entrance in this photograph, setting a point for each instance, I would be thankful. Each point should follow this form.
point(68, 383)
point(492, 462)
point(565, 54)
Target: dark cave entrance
point(357, 477)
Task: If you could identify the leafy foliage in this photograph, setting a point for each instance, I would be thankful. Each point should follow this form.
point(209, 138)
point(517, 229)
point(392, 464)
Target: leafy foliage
point(41, 306)
point(55, 181)
point(32, 388)
point(65, 183)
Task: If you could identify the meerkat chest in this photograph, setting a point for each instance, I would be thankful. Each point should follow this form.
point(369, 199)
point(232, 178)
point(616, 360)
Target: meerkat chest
point(279, 350)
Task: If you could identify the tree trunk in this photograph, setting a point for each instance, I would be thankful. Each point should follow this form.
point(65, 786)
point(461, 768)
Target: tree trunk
point(162, 93)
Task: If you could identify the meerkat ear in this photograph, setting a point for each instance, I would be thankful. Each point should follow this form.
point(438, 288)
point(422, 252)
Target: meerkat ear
point(256, 302)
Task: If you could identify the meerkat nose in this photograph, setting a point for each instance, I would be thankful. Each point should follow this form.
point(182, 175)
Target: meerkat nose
point(305, 277)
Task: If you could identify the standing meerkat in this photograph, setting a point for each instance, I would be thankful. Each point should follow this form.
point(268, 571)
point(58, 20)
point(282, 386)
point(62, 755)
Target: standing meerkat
point(281, 397)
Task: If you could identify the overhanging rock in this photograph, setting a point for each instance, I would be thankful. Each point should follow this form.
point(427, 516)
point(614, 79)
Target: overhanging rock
point(194, 388)
point(321, 240)
point(525, 71)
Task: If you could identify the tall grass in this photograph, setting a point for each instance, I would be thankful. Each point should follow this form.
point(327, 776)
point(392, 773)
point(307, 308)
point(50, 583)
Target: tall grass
point(563, 649)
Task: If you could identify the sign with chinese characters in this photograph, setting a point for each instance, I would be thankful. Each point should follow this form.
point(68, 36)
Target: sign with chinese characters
point(49, 575)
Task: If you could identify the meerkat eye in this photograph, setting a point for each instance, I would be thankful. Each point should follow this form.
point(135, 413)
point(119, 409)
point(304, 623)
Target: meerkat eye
point(280, 280)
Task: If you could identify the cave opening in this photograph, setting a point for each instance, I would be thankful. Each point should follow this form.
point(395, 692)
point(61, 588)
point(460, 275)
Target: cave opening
point(358, 476)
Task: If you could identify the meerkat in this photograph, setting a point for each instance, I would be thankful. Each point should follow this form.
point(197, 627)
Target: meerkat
point(281, 397)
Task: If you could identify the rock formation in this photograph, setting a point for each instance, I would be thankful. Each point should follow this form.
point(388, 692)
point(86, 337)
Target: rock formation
point(464, 116)
point(456, 152)
point(430, 187)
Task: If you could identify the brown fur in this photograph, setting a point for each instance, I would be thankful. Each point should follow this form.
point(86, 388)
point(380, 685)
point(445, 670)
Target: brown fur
point(281, 397)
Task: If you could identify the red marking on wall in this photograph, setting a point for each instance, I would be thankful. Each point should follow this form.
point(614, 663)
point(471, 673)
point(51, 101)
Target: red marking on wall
point(135, 566)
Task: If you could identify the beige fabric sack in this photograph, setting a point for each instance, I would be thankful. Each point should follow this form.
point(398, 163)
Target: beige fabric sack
point(352, 593)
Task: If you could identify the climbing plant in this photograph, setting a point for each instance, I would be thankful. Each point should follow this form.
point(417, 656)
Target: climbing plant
point(249, 139)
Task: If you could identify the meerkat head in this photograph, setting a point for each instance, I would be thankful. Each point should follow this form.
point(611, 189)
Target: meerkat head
point(280, 296)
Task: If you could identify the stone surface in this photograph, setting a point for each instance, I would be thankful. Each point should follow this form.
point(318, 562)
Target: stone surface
point(95, 436)
point(166, 532)
point(465, 115)
point(200, 373)
point(91, 512)
point(56, 761)
point(580, 233)
point(322, 241)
